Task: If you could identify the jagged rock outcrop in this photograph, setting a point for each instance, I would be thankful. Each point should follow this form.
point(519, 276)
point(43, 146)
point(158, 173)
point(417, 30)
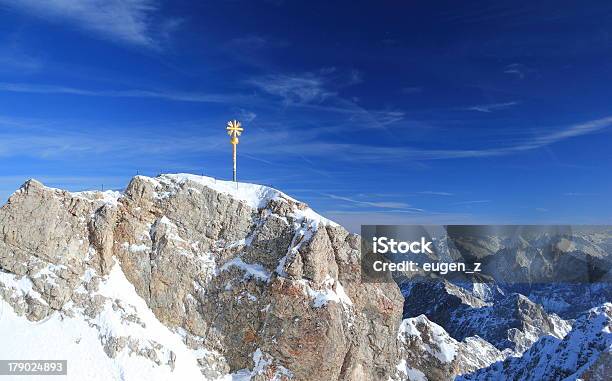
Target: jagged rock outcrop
point(513, 322)
point(437, 300)
point(584, 353)
point(568, 300)
point(428, 352)
point(251, 281)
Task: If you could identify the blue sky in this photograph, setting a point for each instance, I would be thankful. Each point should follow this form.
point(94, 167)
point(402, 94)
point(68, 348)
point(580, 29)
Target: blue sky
point(433, 113)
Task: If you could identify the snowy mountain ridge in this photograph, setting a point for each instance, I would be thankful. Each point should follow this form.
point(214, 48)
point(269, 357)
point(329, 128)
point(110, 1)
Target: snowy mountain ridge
point(585, 352)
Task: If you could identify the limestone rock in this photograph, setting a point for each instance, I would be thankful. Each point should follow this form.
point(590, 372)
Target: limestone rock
point(250, 279)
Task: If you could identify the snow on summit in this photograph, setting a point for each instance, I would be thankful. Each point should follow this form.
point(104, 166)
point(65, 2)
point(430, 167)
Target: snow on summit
point(254, 195)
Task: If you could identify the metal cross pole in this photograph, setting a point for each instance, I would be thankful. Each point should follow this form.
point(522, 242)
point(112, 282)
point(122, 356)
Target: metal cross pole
point(234, 160)
point(234, 130)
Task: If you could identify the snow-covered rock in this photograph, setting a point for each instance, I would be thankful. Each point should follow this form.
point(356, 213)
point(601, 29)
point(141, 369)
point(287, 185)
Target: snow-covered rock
point(430, 353)
point(585, 353)
point(509, 322)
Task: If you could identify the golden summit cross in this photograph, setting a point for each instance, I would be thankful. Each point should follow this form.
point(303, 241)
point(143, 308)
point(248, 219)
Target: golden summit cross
point(234, 129)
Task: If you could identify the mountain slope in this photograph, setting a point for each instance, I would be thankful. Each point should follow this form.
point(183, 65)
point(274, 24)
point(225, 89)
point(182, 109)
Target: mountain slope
point(430, 353)
point(584, 353)
point(184, 274)
point(124, 339)
point(509, 322)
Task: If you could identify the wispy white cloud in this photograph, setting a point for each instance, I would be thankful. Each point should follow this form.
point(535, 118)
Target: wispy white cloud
point(320, 91)
point(261, 143)
point(377, 204)
point(128, 21)
point(580, 194)
point(565, 133)
point(45, 141)
point(304, 143)
point(293, 89)
point(370, 153)
point(516, 69)
point(491, 107)
point(309, 87)
point(472, 202)
point(435, 193)
point(246, 116)
point(308, 91)
point(130, 93)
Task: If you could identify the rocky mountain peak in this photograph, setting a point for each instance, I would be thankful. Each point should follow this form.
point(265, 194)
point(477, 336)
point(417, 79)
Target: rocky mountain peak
point(198, 275)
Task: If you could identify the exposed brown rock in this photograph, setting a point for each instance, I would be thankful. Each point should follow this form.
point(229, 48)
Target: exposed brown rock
point(262, 285)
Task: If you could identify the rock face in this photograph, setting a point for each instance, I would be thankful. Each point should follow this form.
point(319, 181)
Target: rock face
point(252, 282)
